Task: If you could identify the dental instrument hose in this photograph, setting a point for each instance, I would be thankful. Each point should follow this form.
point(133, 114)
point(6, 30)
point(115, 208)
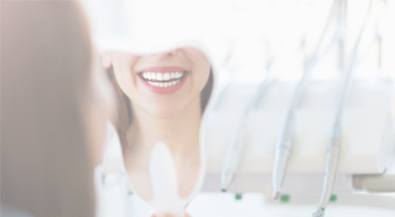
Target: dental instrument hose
point(333, 151)
point(235, 149)
point(284, 145)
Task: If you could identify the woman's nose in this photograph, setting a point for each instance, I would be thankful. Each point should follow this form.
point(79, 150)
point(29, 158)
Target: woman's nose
point(172, 52)
point(168, 54)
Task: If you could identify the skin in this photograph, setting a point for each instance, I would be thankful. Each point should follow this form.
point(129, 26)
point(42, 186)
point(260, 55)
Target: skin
point(169, 215)
point(173, 119)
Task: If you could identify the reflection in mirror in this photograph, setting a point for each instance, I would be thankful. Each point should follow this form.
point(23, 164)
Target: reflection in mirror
point(161, 99)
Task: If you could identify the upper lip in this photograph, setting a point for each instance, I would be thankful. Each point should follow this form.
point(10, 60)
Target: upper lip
point(164, 69)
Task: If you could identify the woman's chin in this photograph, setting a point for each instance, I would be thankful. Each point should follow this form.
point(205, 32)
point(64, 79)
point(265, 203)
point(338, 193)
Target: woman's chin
point(166, 113)
point(168, 109)
point(171, 215)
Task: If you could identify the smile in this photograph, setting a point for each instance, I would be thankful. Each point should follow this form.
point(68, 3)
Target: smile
point(163, 79)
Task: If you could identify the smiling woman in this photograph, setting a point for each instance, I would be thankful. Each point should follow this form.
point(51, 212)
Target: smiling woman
point(159, 93)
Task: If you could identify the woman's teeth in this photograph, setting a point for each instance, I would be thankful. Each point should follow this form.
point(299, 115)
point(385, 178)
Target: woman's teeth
point(160, 76)
point(163, 79)
point(164, 84)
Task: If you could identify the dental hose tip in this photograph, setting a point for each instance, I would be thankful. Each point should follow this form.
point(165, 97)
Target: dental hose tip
point(320, 212)
point(276, 195)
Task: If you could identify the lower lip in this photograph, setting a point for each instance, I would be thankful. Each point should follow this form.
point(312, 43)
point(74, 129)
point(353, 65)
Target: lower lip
point(164, 90)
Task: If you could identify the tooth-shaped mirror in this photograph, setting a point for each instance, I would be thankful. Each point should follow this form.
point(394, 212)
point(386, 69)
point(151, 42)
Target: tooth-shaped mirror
point(161, 100)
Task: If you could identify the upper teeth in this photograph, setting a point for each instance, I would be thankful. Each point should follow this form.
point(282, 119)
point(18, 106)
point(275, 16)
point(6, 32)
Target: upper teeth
point(160, 76)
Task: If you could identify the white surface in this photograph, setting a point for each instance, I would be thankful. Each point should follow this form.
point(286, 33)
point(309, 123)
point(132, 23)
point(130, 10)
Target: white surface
point(252, 205)
point(224, 205)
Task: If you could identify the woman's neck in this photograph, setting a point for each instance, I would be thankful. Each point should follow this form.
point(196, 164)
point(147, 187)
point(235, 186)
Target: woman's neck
point(180, 132)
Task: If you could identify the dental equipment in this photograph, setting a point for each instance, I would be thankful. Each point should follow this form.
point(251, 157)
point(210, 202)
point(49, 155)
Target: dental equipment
point(284, 145)
point(235, 149)
point(366, 147)
point(333, 151)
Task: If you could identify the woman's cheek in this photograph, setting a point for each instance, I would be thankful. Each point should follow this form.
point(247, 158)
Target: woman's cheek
point(126, 83)
point(202, 79)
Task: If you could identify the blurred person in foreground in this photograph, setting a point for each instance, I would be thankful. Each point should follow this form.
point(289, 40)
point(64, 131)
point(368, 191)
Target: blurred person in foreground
point(53, 110)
